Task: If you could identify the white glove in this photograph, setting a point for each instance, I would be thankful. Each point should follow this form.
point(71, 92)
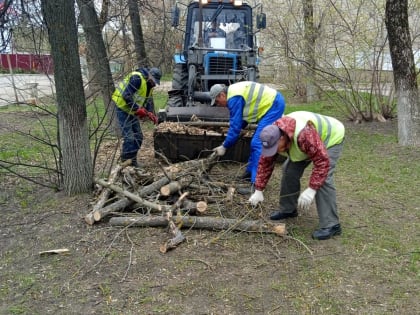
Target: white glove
point(256, 197)
point(306, 198)
point(220, 150)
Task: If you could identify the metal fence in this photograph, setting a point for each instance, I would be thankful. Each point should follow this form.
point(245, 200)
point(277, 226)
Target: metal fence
point(28, 63)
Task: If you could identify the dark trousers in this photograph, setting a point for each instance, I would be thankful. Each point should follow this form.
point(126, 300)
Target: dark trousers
point(131, 133)
point(325, 197)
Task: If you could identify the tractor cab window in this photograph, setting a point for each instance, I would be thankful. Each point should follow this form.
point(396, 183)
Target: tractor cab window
point(229, 29)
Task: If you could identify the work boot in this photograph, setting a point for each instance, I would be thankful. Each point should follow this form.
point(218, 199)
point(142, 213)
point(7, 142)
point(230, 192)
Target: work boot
point(278, 215)
point(326, 233)
point(247, 190)
point(134, 163)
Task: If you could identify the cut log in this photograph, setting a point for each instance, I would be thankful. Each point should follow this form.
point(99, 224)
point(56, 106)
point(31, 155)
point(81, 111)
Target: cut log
point(153, 187)
point(175, 241)
point(196, 166)
point(125, 202)
point(99, 214)
point(170, 188)
point(55, 251)
point(192, 207)
point(104, 195)
point(89, 218)
point(175, 186)
point(178, 237)
point(134, 197)
point(230, 193)
point(207, 223)
point(200, 165)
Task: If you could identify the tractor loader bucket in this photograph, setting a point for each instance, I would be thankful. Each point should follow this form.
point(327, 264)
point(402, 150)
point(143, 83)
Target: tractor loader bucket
point(183, 147)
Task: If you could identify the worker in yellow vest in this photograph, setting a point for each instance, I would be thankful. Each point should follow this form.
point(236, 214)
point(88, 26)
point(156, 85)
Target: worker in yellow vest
point(132, 98)
point(248, 103)
point(304, 138)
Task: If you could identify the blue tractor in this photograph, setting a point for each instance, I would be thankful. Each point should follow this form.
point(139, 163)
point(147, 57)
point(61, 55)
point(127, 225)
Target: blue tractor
point(219, 47)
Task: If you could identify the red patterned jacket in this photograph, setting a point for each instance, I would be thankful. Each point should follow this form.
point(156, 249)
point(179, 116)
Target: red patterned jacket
point(310, 143)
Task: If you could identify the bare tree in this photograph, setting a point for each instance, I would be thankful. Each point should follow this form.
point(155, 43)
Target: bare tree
point(5, 21)
point(77, 168)
point(344, 49)
point(405, 78)
point(137, 31)
point(309, 51)
point(100, 75)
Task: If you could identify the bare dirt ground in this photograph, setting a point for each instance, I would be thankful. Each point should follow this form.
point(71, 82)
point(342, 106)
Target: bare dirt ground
point(112, 270)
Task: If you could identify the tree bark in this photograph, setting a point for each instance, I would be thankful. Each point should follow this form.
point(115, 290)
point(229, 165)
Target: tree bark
point(72, 117)
point(207, 223)
point(405, 78)
point(309, 42)
point(99, 72)
point(136, 28)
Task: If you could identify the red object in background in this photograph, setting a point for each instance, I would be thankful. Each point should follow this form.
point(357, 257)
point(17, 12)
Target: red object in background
point(28, 62)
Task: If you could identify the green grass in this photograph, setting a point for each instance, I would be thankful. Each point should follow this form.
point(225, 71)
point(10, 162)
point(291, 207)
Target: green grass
point(160, 99)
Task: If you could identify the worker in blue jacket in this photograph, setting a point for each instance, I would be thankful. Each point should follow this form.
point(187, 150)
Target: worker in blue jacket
point(248, 103)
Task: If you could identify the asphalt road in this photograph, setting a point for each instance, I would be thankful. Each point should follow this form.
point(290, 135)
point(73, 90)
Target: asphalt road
point(23, 87)
point(20, 88)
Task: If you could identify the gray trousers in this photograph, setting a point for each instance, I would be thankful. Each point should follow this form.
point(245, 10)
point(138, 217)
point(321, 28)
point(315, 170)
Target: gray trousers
point(325, 197)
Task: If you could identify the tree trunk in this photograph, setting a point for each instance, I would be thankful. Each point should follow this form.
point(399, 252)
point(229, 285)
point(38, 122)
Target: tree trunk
point(136, 28)
point(72, 118)
point(405, 78)
point(99, 74)
point(309, 42)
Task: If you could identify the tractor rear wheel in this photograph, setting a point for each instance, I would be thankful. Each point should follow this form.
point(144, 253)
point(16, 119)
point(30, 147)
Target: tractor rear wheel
point(180, 77)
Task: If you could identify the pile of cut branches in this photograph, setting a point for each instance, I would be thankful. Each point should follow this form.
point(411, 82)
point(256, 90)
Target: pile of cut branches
point(177, 196)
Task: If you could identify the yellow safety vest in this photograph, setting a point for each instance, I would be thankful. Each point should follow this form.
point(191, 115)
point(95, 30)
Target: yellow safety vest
point(258, 99)
point(139, 97)
point(330, 130)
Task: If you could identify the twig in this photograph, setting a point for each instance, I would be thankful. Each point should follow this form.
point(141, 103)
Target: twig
point(130, 258)
point(202, 261)
point(214, 239)
point(106, 250)
point(301, 243)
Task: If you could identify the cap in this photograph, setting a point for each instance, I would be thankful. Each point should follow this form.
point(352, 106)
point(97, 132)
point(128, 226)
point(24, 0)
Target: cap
point(156, 75)
point(215, 91)
point(269, 137)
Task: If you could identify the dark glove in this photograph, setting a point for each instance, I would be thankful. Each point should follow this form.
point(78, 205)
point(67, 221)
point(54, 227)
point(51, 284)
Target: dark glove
point(142, 112)
point(152, 117)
